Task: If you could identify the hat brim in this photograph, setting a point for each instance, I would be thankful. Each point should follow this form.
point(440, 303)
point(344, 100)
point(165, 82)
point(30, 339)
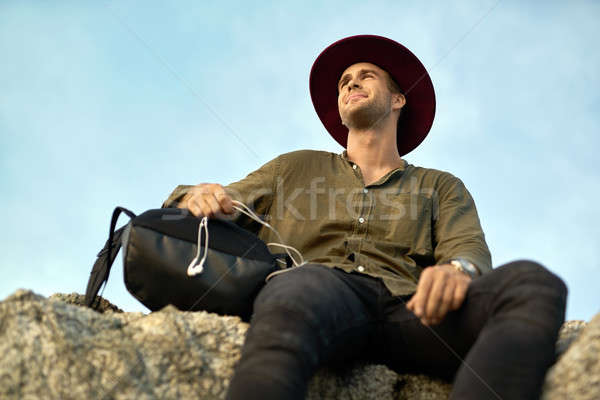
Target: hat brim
point(404, 67)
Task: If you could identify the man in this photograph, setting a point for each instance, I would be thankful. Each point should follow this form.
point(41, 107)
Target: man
point(398, 269)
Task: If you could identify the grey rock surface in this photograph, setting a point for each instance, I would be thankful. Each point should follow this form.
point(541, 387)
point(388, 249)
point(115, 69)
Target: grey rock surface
point(54, 348)
point(576, 375)
point(101, 304)
point(567, 334)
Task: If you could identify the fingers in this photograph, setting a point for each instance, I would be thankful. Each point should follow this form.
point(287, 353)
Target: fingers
point(224, 200)
point(418, 302)
point(208, 200)
point(435, 297)
point(439, 291)
point(211, 202)
point(459, 295)
point(183, 203)
point(442, 304)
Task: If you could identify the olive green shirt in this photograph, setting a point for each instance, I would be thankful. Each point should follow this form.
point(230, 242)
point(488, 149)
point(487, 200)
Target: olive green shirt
point(392, 229)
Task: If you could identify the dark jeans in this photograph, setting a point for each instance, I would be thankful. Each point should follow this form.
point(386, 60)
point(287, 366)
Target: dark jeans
point(498, 345)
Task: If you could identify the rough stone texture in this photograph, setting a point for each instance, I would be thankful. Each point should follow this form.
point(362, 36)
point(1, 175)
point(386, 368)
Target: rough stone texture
point(567, 334)
point(101, 304)
point(53, 348)
point(361, 382)
point(576, 375)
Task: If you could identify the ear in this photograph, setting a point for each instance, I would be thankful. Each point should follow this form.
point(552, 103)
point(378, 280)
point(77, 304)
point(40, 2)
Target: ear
point(398, 101)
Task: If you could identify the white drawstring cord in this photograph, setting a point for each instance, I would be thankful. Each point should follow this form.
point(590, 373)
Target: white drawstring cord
point(196, 267)
point(251, 214)
point(296, 263)
point(279, 260)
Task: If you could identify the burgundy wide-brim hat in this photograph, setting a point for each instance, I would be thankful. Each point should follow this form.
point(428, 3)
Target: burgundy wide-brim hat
point(398, 61)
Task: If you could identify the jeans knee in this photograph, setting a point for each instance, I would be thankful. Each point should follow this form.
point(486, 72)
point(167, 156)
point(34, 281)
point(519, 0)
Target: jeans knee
point(301, 289)
point(284, 331)
point(317, 298)
point(531, 281)
point(528, 272)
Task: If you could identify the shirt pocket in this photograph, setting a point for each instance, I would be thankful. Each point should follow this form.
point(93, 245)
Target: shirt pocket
point(405, 219)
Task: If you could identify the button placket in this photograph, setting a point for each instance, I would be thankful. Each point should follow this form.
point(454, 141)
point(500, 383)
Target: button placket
point(369, 209)
point(358, 173)
point(363, 214)
point(366, 202)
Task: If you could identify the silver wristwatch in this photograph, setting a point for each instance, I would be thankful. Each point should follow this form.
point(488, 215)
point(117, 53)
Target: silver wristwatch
point(464, 266)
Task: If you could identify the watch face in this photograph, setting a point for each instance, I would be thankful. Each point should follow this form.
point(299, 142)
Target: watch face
point(465, 266)
point(457, 266)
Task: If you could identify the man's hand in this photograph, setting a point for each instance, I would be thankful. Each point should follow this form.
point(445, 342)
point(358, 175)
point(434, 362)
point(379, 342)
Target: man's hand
point(441, 288)
point(207, 200)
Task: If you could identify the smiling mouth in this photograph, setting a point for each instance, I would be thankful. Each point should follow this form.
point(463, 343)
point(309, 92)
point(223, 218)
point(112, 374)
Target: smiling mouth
point(355, 96)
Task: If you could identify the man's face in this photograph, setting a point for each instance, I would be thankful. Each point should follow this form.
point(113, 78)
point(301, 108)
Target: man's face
point(364, 97)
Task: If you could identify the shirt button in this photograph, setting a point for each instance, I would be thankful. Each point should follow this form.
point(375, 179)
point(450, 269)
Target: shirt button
point(365, 190)
point(354, 166)
point(361, 220)
point(360, 268)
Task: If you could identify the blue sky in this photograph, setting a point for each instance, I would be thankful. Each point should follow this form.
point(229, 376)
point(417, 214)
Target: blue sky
point(109, 103)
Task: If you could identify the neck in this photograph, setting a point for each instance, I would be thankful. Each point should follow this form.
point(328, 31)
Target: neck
point(375, 148)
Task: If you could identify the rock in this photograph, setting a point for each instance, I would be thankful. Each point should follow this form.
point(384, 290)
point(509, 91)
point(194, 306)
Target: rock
point(102, 305)
point(375, 382)
point(576, 375)
point(51, 349)
point(54, 348)
point(567, 334)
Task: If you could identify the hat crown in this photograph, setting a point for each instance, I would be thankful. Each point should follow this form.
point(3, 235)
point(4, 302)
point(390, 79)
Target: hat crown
point(399, 62)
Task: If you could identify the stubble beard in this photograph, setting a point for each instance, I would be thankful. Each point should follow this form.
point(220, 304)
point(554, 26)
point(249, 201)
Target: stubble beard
point(366, 115)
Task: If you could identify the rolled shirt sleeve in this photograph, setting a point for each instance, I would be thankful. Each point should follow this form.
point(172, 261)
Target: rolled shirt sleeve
point(176, 196)
point(457, 229)
point(391, 229)
point(256, 191)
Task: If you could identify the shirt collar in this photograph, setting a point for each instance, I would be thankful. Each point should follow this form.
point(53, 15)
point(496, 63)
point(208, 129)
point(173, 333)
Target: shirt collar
point(344, 156)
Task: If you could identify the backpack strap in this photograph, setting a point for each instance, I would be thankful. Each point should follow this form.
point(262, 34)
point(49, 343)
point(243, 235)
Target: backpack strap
point(105, 259)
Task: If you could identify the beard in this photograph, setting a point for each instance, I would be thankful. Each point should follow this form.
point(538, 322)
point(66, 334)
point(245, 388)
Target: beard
point(366, 114)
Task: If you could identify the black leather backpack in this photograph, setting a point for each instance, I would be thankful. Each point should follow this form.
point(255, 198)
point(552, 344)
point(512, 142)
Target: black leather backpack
point(158, 247)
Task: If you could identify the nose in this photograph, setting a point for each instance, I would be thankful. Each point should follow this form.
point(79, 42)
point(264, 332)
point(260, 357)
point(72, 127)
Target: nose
point(353, 84)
